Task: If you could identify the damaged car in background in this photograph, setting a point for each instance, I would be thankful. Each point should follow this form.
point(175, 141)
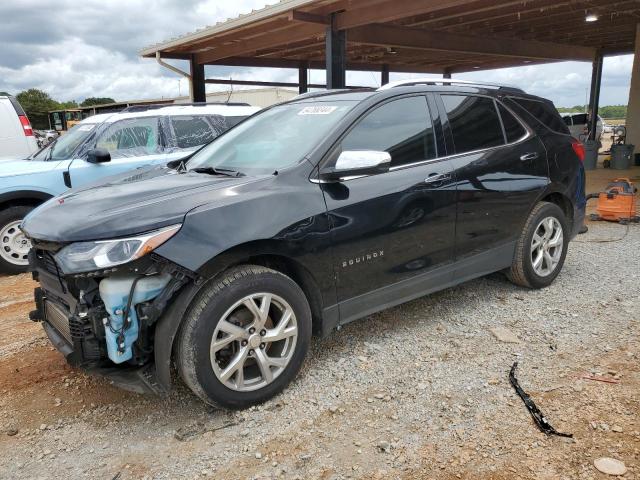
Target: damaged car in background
point(306, 216)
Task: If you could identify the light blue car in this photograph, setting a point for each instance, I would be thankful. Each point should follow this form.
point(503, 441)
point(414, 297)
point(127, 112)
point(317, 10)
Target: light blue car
point(101, 146)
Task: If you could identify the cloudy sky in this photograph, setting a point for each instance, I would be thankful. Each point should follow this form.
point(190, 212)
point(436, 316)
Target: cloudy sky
point(74, 50)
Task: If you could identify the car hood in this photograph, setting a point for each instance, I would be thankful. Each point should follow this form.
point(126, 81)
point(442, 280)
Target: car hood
point(128, 204)
point(12, 168)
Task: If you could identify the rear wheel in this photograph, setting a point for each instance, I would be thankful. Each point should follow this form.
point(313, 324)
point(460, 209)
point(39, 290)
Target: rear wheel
point(14, 245)
point(541, 248)
point(245, 337)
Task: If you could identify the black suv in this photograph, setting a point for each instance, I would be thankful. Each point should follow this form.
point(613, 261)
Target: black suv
point(308, 215)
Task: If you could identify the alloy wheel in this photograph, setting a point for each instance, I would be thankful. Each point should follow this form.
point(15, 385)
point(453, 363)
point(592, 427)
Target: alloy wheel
point(546, 246)
point(253, 342)
point(14, 245)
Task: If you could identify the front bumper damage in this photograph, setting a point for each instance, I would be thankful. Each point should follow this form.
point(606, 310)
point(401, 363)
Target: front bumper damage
point(75, 317)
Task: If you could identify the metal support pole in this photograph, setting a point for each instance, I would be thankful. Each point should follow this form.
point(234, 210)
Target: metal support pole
point(446, 74)
point(384, 75)
point(335, 50)
point(594, 96)
point(197, 81)
point(303, 75)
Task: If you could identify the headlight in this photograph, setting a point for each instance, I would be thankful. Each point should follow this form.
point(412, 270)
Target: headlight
point(87, 256)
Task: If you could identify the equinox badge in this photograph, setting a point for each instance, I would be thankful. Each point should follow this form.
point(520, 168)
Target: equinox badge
point(362, 258)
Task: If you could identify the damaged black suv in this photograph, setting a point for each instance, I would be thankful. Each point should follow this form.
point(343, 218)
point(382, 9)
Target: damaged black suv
point(306, 216)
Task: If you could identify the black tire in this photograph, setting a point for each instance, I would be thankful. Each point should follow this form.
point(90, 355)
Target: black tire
point(522, 271)
point(206, 311)
point(8, 216)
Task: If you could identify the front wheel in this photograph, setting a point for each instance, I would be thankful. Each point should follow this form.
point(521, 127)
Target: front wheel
point(14, 246)
point(541, 248)
point(244, 337)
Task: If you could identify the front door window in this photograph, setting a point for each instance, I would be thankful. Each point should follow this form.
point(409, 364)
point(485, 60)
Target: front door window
point(134, 137)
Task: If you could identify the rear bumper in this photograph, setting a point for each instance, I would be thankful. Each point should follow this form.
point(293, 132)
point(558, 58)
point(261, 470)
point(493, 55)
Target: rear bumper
point(578, 220)
point(579, 203)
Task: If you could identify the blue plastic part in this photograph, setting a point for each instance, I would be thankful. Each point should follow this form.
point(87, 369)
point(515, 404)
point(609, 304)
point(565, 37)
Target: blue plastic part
point(115, 292)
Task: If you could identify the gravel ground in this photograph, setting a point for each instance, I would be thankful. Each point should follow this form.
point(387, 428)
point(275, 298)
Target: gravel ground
point(417, 391)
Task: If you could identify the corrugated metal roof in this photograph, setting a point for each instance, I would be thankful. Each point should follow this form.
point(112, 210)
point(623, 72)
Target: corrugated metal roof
point(279, 8)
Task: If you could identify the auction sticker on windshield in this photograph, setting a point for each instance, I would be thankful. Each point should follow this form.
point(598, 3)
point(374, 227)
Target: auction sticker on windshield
point(86, 128)
point(317, 110)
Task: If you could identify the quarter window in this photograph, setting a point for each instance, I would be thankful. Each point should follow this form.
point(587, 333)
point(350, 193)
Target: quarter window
point(474, 122)
point(513, 129)
point(543, 112)
point(401, 127)
point(131, 138)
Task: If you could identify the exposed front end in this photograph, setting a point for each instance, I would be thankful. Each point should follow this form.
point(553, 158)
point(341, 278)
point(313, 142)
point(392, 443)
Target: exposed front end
point(104, 320)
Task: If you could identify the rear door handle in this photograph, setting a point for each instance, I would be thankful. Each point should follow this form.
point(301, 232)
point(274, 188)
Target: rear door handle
point(437, 179)
point(529, 156)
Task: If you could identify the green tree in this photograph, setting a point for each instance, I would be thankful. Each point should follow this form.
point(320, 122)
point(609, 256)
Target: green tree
point(613, 111)
point(87, 102)
point(37, 104)
point(67, 104)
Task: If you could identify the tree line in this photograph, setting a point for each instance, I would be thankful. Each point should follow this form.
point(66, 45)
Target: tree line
point(37, 103)
point(609, 111)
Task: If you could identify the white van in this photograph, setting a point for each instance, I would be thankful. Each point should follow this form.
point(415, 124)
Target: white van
point(16, 135)
point(578, 124)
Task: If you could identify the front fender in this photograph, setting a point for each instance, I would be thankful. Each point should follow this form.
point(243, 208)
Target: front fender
point(166, 330)
point(30, 195)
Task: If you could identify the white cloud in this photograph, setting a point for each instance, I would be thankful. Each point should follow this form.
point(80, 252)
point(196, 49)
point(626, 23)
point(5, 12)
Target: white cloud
point(77, 50)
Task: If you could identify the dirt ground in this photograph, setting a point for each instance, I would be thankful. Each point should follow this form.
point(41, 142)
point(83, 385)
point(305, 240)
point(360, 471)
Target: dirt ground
point(420, 391)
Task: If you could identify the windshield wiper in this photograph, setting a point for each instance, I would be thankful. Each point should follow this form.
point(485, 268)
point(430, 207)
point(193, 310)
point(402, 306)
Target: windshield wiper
point(227, 172)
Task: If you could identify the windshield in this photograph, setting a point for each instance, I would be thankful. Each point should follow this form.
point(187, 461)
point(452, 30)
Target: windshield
point(273, 139)
point(66, 144)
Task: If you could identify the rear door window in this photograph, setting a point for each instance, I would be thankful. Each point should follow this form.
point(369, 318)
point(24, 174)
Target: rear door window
point(513, 129)
point(474, 122)
point(580, 119)
point(17, 106)
point(233, 121)
point(544, 112)
point(401, 127)
point(192, 131)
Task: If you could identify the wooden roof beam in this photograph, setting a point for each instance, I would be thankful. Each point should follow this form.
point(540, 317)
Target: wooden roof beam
point(392, 36)
point(391, 10)
point(297, 33)
point(317, 65)
point(298, 16)
point(482, 14)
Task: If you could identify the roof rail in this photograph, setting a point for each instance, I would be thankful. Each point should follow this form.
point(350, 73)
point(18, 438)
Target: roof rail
point(445, 81)
point(155, 106)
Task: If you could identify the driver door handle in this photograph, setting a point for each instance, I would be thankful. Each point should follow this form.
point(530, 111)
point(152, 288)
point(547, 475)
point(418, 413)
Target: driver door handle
point(529, 156)
point(437, 179)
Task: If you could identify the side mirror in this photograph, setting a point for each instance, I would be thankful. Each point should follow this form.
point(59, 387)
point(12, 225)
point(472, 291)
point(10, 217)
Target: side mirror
point(354, 163)
point(98, 155)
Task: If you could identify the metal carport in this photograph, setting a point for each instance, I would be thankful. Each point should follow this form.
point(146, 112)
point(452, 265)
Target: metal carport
point(418, 36)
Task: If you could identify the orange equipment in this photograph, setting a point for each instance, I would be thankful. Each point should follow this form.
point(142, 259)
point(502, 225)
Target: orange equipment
point(617, 203)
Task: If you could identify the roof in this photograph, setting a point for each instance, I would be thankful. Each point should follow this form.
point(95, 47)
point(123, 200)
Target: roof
point(209, 109)
point(414, 35)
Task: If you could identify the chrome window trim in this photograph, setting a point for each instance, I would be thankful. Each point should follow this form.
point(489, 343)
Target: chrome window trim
point(529, 134)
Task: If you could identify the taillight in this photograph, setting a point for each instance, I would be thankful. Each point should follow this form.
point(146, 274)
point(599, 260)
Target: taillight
point(578, 148)
point(26, 126)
